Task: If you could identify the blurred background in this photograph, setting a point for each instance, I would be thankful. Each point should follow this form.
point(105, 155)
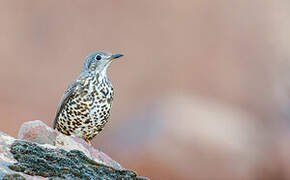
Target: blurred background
point(202, 92)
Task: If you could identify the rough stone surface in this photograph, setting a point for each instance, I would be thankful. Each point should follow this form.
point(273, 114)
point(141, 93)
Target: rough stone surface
point(36, 160)
point(6, 157)
point(42, 153)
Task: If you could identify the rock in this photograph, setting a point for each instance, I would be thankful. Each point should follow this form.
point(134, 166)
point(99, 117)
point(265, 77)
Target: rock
point(38, 160)
point(43, 153)
point(6, 157)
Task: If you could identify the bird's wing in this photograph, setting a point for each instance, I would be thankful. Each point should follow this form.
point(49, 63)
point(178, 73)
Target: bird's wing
point(67, 94)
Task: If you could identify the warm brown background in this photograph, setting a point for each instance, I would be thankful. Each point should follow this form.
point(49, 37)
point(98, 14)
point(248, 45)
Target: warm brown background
point(202, 91)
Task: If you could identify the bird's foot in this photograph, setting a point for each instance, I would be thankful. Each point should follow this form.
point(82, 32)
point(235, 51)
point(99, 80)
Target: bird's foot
point(88, 141)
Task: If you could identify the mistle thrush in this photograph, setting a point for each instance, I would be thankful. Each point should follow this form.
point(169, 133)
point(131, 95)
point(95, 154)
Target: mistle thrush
point(85, 106)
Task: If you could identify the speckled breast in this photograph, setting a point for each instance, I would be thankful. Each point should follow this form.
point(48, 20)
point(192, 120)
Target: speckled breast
point(88, 109)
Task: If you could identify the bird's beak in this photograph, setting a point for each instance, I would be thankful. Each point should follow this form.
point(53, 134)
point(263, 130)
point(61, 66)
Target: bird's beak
point(115, 56)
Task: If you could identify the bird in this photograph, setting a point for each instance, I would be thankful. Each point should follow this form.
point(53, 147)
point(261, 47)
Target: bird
point(85, 107)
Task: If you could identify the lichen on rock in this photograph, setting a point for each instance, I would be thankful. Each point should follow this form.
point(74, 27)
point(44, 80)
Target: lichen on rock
point(35, 160)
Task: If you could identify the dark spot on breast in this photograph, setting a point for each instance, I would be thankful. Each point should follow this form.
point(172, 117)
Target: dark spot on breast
point(109, 100)
point(104, 92)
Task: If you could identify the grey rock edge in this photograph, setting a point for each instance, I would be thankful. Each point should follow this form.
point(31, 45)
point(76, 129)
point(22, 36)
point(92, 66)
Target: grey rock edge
point(42, 153)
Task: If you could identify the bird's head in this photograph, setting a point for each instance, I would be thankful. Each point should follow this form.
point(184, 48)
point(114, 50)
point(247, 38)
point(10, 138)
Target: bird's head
point(99, 61)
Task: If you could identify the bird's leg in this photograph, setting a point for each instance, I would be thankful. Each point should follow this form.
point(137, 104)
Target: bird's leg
point(88, 141)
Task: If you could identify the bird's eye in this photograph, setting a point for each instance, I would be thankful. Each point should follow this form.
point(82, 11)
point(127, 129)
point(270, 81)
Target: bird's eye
point(98, 57)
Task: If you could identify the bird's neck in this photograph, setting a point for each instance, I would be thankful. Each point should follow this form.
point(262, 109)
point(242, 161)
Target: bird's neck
point(99, 76)
point(103, 73)
point(102, 76)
